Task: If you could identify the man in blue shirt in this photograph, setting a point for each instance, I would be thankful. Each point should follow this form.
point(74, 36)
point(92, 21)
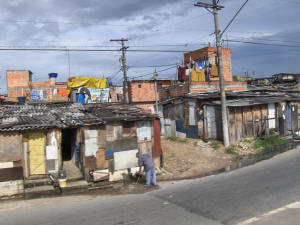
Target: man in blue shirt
point(146, 161)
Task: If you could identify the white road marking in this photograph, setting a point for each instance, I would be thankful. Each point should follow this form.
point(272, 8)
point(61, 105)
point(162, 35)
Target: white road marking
point(295, 205)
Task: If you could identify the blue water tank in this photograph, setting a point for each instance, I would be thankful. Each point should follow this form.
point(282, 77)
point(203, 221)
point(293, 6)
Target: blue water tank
point(52, 75)
point(21, 99)
point(80, 98)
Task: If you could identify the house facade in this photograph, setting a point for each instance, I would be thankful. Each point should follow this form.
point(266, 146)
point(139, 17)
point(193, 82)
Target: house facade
point(20, 85)
point(40, 139)
point(142, 92)
point(250, 114)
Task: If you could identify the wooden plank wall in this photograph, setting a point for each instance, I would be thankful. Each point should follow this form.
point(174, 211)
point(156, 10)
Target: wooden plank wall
point(247, 121)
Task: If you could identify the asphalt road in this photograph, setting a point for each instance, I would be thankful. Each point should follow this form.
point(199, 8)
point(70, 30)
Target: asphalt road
point(262, 194)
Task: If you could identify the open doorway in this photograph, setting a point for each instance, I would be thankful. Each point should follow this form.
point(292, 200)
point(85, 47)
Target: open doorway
point(68, 143)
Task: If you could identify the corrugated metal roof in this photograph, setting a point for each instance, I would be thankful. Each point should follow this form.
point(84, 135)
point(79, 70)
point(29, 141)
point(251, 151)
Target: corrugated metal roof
point(63, 115)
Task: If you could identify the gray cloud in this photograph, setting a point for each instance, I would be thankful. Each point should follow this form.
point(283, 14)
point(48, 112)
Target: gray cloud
point(94, 22)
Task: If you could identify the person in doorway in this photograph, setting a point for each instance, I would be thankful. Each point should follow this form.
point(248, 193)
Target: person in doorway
point(146, 162)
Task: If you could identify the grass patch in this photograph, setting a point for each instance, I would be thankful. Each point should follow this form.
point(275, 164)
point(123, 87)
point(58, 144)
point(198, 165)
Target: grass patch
point(177, 139)
point(267, 144)
point(231, 150)
point(214, 144)
point(248, 140)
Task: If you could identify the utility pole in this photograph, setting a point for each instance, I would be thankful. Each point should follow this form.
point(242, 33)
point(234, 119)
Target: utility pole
point(155, 87)
point(219, 63)
point(125, 84)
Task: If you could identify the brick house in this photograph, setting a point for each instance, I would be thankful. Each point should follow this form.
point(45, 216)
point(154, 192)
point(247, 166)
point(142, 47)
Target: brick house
point(142, 92)
point(20, 84)
point(209, 55)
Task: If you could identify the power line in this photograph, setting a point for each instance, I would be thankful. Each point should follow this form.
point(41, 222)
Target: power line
point(153, 66)
point(266, 39)
point(233, 17)
point(113, 76)
point(152, 72)
point(61, 22)
point(93, 50)
point(261, 43)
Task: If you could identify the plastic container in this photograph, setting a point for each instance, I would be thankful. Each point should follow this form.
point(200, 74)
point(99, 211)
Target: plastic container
point(80, 98)
point(52, 75)
point(21, 99)
point(62, 178)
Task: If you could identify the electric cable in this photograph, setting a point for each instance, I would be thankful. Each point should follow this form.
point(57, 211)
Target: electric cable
point(152, 72)
point(261, 43)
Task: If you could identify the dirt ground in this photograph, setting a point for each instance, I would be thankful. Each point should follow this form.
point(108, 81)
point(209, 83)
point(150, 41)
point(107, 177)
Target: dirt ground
point(186, 157)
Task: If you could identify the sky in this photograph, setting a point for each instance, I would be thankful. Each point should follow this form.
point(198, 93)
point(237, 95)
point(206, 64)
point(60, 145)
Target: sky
point(148, 25)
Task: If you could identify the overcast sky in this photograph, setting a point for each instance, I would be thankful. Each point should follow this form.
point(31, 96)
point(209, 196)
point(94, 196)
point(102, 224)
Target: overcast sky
point(150, 24)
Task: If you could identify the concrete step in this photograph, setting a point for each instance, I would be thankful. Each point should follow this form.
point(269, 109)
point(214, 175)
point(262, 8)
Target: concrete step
point(36, 183)
point(72, 187)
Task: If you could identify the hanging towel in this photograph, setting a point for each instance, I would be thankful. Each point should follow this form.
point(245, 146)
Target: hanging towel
point(202, 75)
point(197, 76)
point(214, 70)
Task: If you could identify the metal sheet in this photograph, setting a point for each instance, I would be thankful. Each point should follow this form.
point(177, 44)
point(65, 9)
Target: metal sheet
point(125, 159)
point(91, 142)
point(271, 116)
point(192, 113)
point(143, 130)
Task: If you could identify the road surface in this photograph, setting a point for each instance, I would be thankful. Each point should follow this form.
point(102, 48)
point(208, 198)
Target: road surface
point(262, 194)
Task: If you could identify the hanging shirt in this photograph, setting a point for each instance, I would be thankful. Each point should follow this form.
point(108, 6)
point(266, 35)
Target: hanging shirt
point(181, 73)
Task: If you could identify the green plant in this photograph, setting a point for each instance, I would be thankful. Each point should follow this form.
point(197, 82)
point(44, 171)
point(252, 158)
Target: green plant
point(268, 143)
point(248, 140)
point(214, 145)
point(178, 139)
point(231, 150)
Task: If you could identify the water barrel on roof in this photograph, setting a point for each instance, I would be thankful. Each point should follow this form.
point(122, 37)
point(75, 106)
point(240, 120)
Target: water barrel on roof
point(52, 75)
point(21, 99)
point(80, 98)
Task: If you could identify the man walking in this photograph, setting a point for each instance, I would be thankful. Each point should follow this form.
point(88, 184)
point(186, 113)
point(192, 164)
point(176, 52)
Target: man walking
point(146, 162)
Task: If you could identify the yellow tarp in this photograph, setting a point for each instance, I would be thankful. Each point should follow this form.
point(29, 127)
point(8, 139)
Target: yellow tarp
point(88, 82)
point(198, 76)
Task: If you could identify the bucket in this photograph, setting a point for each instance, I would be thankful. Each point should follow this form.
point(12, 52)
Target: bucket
point(62, 178)
point(80, 98)
point(21, 99)
point(62, 182)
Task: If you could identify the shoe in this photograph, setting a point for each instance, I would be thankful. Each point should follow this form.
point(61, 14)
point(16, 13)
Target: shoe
point(147, 186)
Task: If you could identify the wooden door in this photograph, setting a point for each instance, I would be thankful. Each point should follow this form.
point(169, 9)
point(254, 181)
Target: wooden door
point(36, 144)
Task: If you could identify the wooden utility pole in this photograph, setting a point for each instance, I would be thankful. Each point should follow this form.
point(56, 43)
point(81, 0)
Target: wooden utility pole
point(155, 87)
point(219, 63)
point(125, 84)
